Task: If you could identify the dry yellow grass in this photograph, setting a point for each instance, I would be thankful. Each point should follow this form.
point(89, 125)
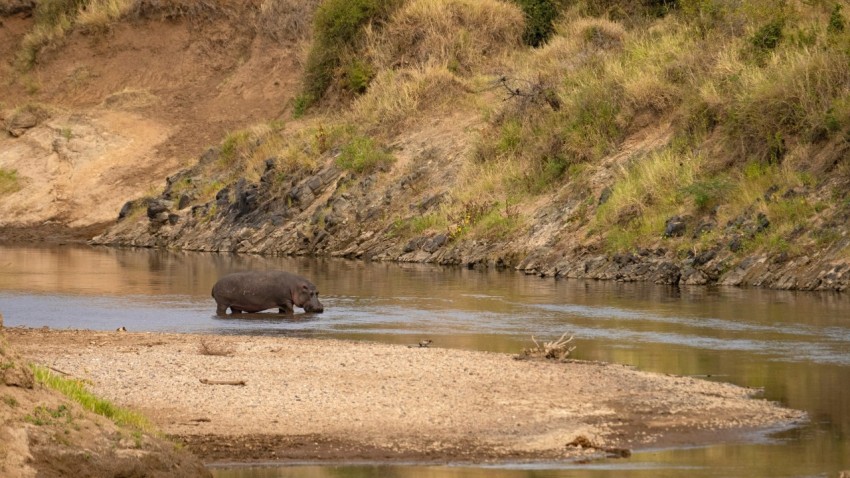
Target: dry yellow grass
point(461, 34)
point(99, 14)
point(397, 99)
point(287, 20)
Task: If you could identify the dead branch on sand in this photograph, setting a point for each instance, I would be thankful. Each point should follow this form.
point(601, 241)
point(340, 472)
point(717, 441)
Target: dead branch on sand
point(241, 383)
point(558, 350)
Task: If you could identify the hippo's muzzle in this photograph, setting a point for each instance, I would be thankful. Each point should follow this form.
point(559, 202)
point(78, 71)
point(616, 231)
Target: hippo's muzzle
point(313, 306)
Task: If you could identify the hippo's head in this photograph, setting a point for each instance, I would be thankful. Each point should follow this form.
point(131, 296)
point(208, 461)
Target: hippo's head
point(307, 297)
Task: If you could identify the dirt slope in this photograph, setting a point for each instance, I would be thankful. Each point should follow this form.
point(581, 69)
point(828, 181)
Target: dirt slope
point(123, 109)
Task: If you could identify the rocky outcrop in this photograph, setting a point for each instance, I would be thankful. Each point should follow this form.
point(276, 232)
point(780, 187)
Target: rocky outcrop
point(14, 7)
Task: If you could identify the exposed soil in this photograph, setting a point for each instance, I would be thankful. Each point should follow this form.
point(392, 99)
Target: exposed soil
point(329, 400)
point(126, 108)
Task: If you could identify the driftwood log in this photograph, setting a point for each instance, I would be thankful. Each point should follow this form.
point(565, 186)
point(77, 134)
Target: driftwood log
point(241, 383)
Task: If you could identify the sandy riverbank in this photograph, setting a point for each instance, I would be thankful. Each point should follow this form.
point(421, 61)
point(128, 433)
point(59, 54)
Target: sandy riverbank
point(306, 399)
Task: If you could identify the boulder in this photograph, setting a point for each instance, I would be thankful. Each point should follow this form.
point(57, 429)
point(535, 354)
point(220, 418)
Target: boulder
point(158, 210)
point(675, 227)
point(25, 118)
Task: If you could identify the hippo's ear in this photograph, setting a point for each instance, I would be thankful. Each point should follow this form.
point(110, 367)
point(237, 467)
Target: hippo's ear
point(304, 286)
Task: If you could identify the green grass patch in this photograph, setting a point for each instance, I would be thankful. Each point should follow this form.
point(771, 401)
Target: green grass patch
point(234, 147)
point(413, 226)
point(497, 224)
point(362, 155)
point(209, 190)
point(76, 391)
point(708, 193)
point(9, 181)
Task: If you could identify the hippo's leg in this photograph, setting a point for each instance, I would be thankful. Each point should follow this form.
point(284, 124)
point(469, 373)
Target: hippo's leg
point(235, 310)
point(221, 309)
point(285, 308)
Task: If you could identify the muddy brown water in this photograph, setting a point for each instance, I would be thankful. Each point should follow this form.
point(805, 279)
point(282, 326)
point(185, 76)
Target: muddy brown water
point(795, 346)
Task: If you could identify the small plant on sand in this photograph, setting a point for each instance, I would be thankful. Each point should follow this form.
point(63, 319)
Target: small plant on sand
point(12, 402)
point(42, 415)
point(558, 350)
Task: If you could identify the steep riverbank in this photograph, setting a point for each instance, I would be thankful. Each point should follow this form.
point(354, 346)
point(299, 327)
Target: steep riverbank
point(256, 398)
point(333, 212)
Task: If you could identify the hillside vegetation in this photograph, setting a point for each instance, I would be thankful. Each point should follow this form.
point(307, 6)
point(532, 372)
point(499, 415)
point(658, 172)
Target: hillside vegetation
point(689, 141)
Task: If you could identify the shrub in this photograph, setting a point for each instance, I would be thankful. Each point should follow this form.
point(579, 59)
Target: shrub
point(768, 36)
point(233, 147)
point(836, 21)
point(498, 223)
point(708, 193)
point(337, 27)
point(359, 75)
point(540, 16)
point(794, 99)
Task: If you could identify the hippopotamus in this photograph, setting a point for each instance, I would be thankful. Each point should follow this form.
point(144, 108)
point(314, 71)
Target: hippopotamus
point(256, 291)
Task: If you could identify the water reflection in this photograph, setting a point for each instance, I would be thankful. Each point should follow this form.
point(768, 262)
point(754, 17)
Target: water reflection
point(793, 345)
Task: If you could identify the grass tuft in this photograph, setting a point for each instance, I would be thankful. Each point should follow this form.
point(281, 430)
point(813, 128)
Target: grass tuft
point(362, 155)
point(398, 99)
point(457, 34)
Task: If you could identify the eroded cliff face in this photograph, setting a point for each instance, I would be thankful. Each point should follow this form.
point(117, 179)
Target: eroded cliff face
point(103, 116)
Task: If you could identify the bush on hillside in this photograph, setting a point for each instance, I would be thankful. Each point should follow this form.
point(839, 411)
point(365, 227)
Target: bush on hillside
point(337, 31)
point(540, 16)
point(789, 102)
point(630, 9)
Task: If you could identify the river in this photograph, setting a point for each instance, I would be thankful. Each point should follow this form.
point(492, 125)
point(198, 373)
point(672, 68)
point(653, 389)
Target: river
point(795, 346)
